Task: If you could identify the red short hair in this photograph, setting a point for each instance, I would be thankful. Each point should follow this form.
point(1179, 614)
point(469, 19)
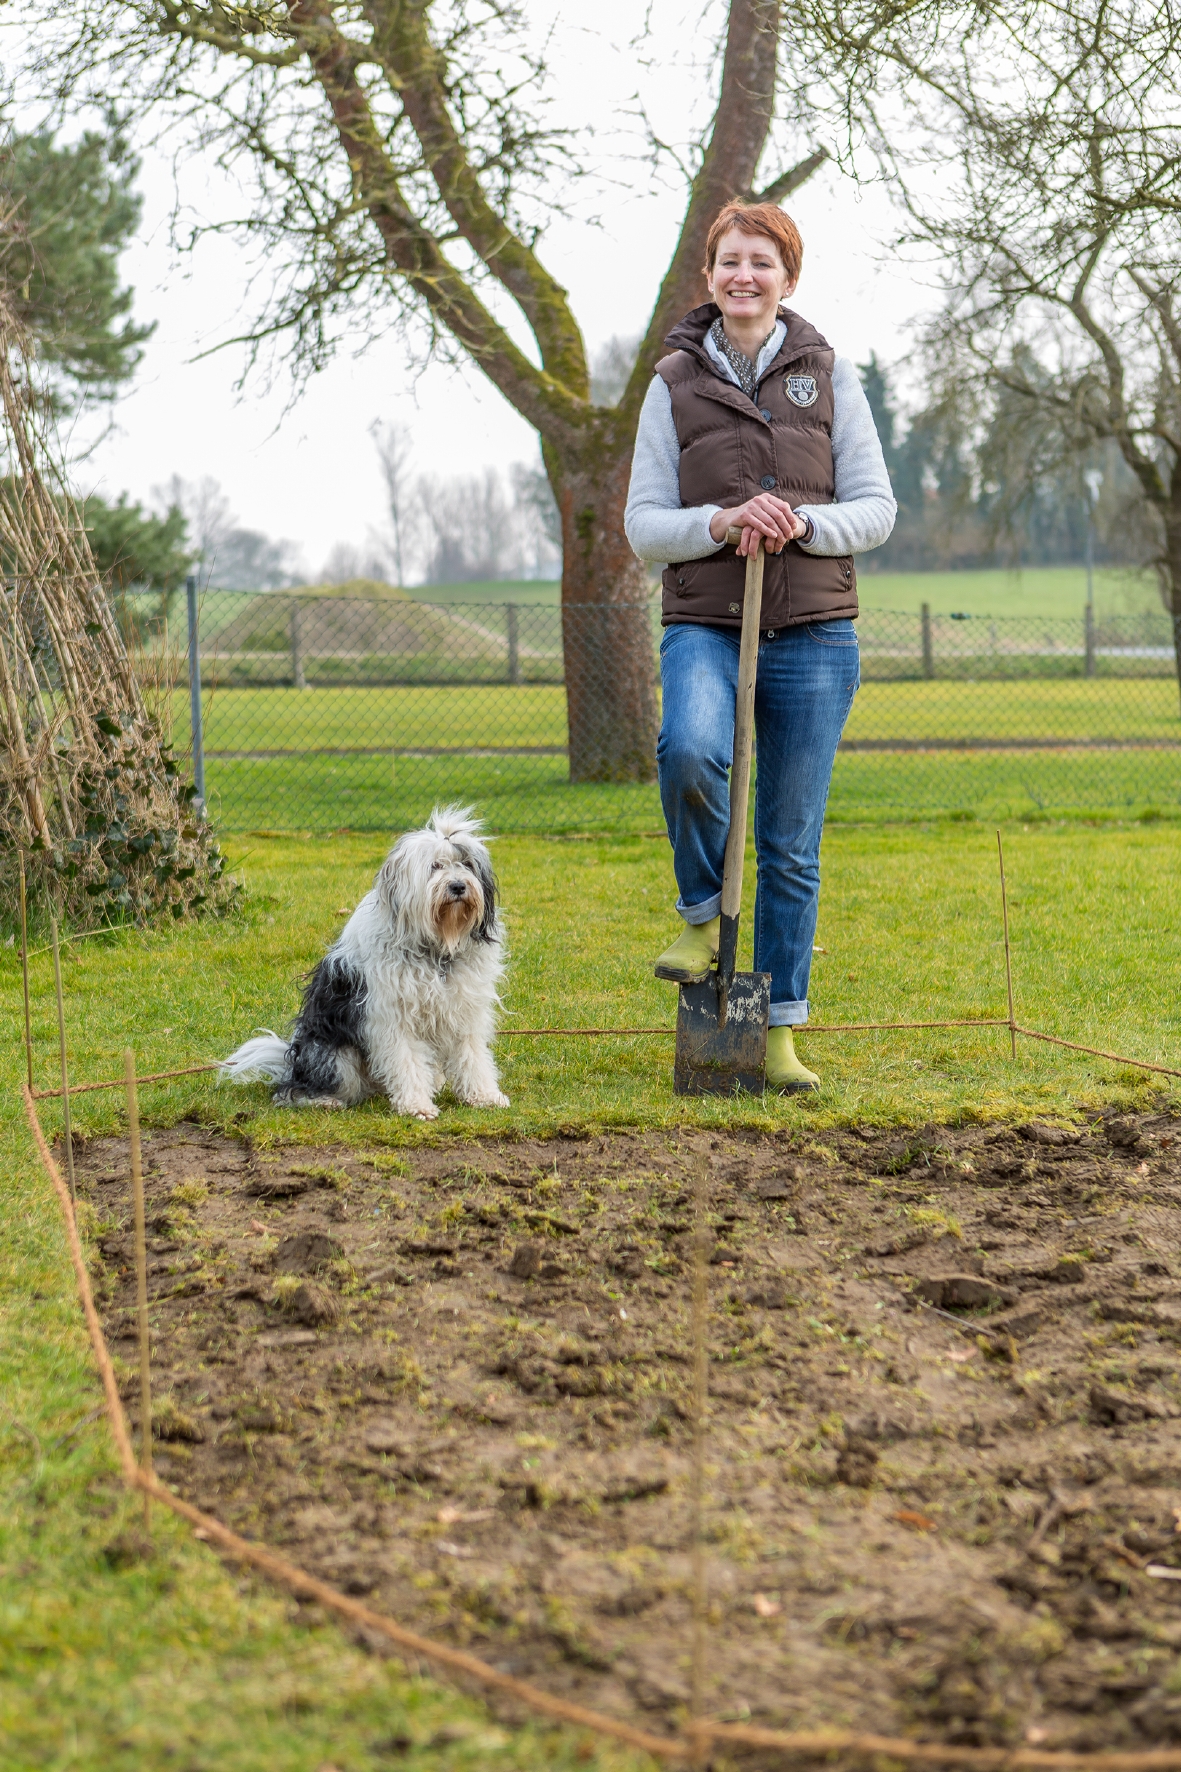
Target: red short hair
point(758, 218)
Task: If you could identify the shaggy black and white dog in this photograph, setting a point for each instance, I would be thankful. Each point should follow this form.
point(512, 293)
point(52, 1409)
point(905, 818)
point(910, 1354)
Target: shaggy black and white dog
point(403, 1001)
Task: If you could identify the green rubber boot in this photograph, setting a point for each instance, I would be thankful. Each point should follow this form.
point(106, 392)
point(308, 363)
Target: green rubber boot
point(785, 1073)
point(691, 955)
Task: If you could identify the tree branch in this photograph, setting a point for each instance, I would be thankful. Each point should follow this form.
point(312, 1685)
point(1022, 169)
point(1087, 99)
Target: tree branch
point(176, 21)
point(731, 159)
point(792, 179)
point(417, 71)
point(410, 246)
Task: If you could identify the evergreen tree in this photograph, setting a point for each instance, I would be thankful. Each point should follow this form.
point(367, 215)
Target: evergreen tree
point(66, 214)
point(134, 548)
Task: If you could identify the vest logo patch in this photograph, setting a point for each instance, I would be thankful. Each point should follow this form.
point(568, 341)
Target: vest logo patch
point(801, 390)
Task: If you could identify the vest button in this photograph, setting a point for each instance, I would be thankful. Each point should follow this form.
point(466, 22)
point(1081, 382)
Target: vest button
point(767, 482)
point(680, 581)
point(766, 413)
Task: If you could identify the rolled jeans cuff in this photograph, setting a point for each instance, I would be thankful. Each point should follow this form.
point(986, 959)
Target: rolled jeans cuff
point(788, 1015)
point(701, 913)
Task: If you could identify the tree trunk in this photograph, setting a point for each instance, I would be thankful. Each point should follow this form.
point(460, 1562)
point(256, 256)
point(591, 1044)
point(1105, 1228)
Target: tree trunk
point(610, 659)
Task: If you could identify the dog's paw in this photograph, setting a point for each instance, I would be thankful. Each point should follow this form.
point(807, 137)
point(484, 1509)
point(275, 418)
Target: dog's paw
point(495, 1099)
point(423, 1110)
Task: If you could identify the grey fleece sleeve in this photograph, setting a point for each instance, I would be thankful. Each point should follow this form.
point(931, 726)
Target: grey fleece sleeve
point(660, 528)
point(655, 522)
point(864, 512)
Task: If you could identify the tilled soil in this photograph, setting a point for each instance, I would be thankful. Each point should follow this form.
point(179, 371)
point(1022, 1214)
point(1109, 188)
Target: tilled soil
point(945, 1434)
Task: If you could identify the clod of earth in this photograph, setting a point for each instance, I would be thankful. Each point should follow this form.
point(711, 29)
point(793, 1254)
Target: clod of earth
point(496, 1445)
point(526, 1261)
point(277, 1187)
point(310, 1304)
point(962, 1292)
point(307, 1252)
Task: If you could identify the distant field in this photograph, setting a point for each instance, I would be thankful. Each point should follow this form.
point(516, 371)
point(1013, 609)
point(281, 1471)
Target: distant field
point(1038, 590)
point(505, 590)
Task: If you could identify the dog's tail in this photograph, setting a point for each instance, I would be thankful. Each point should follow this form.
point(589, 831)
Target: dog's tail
point(266, 1056)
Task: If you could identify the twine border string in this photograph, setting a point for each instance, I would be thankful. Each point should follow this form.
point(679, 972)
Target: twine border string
point(685, 1747)
point(850, 1027)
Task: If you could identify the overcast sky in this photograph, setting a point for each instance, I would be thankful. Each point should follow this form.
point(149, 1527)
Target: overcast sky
point(307, 471)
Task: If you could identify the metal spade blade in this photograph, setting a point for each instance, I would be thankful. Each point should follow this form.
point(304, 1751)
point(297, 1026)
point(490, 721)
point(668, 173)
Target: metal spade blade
point(721, 1060)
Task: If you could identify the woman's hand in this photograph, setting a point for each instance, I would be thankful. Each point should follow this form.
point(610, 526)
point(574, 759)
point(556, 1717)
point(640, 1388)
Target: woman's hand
point(764, 518)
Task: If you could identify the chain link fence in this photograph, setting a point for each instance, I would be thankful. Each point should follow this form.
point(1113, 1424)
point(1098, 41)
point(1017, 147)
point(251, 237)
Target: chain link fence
point(324, 712)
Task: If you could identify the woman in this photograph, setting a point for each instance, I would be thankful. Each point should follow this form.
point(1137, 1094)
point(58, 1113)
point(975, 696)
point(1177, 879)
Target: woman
point(753, 422)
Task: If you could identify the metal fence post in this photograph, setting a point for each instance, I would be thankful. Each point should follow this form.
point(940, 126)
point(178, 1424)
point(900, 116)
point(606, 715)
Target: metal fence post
point(297, 677)
point(195, 693)
point(514, 656)
point(928, 650)
point(1089, 641)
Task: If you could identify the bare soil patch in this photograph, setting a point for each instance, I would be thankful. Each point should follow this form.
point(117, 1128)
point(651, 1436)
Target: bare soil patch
point(945, 1389)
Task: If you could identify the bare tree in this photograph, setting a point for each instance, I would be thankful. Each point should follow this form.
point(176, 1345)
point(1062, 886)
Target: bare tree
point(229, 556)
point(539, 520)
point(1043, 147)
point(611, 368)
point(395, 451)
point(473, 528)
point(346, 563)
point(401, 158)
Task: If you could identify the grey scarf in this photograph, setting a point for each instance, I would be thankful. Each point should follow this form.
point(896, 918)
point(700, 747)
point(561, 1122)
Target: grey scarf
point(738, 360)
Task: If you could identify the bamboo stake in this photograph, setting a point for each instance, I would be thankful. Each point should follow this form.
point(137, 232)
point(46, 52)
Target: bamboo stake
point(141, 1283)
point(25, 971)
point(67, 1135)
point(1008, 955)
point(697, 1475)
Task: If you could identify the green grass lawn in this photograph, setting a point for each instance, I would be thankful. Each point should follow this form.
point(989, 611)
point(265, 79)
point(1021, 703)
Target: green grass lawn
point(351, 719)
point(176, 1661)
point(520, 794)
point(251, 790)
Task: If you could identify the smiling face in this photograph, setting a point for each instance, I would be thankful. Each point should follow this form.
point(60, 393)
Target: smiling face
point(748, 279)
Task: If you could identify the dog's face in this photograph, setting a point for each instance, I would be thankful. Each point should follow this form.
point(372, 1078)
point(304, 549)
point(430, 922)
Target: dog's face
point(437, 884)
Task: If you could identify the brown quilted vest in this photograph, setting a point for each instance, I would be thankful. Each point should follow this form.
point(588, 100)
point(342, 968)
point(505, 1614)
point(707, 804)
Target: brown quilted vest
point(731, 448)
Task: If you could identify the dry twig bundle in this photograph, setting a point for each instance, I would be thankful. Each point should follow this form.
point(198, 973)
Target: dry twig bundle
point(89, 789)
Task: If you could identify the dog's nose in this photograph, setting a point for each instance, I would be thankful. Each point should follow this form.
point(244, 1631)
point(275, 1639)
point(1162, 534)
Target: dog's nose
point(457, 888)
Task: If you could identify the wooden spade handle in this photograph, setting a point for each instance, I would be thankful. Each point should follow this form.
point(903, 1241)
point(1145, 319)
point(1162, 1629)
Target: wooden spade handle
point(744, 716)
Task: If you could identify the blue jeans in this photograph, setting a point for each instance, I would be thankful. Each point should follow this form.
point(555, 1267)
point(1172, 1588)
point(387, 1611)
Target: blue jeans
point(807, 679)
